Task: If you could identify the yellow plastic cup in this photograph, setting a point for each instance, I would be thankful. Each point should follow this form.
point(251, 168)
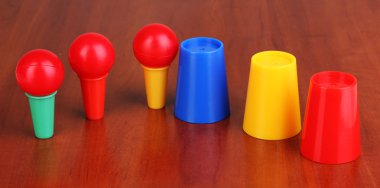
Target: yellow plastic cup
point(272, 109)
point(155, 86)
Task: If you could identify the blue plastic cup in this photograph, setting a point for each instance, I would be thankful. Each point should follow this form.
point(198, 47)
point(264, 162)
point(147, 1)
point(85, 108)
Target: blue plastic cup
point(202, 94)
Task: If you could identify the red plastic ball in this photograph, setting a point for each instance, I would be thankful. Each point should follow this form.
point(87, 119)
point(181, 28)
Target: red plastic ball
point(91, 55)
point(155, 45)
point(39, 72)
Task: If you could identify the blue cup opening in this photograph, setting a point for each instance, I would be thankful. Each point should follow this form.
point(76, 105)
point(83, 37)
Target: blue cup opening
point(201, 45)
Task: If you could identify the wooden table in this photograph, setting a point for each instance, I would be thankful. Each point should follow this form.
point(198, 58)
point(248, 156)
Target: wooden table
point(137, 147)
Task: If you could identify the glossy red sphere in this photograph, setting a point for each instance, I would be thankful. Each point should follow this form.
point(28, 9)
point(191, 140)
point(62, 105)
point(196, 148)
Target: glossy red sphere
point(155, 45)
point(91, 55)
point(39, 72)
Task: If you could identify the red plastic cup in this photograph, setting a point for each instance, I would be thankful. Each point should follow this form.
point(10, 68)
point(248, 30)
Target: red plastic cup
point(331, 132)
point(93, 92)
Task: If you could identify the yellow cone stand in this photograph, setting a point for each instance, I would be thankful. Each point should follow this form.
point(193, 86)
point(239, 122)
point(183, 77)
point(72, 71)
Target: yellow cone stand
point(272, 109)
point(155, 86)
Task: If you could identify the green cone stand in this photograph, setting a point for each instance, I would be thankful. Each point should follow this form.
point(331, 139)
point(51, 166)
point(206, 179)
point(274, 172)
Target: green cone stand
point(42, 110)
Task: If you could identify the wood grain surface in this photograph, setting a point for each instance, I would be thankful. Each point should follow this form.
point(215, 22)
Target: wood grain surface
point(134, 146)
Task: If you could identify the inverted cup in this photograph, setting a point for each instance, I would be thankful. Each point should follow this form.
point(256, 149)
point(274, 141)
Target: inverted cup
point(202, 94)
point(272, 106)
point(42, 110)
point(93, 93)
point(155, 86)
point(331, 131)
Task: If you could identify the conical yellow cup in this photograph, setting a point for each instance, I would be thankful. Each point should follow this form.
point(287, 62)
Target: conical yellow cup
point(155, 86)
point(272, 109)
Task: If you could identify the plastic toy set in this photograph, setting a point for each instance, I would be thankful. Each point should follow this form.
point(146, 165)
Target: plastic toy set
point(331, 131)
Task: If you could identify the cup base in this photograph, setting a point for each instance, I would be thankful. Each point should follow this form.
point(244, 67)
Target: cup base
point(44, 137)
point(272, 139)
point(202, 122)
point(330, 163)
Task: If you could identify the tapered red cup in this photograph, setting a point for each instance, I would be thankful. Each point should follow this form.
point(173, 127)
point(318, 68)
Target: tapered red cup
point(331, 132)
point(93, 93)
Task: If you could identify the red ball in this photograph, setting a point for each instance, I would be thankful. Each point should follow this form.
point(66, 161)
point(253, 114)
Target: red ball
point(155, 45)
point(91, 55)
point(39, 72)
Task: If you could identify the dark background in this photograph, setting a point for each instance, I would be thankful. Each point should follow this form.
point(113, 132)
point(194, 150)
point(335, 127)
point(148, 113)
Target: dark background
point(137, 147)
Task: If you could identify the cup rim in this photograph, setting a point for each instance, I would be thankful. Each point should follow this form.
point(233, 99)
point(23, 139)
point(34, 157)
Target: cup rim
point(254, 58)
point(154, 69)
point(41, 97)
point(95, 79)
point(185, 43)
point(348, 78)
